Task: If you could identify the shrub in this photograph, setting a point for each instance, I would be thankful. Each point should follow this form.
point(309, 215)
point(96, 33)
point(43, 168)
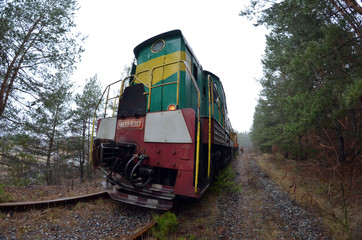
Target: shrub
point(166, 224)
point(4, 197)
point(225, 181)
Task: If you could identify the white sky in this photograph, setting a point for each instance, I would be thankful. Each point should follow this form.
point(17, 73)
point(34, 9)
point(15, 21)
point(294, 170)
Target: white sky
point(223, 42)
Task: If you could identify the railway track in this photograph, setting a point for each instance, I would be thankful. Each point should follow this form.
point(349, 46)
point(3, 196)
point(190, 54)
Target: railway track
point(18, 206)
point(23, 206)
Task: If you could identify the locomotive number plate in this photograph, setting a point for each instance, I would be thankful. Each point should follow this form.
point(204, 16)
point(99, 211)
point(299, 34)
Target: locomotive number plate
point(130, 124)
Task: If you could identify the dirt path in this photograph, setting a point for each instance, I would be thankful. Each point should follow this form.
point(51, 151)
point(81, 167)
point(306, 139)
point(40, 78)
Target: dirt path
point(262, 210)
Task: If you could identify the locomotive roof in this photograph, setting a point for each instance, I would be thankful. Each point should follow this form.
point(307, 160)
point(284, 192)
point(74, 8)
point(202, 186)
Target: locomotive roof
point(214, 75)
point(163, 35)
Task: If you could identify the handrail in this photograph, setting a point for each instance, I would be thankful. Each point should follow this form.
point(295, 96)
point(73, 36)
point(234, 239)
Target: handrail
point(219, 104)
point(209, 138)
point(96, 109)
point(211, 112)
point(136, 77)
point(198, 128)
point(150, 86)
point(163, 84)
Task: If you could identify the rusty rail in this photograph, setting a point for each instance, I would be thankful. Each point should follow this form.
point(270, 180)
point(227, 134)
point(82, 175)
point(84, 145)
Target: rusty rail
point(140, 234)
point(50, 203)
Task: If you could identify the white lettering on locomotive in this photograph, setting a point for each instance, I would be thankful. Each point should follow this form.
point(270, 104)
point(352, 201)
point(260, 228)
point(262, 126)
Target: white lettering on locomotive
point(130, 123)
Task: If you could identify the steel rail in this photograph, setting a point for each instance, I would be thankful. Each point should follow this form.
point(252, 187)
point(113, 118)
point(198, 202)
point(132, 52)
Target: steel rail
point(140, 234)
point(50, 203)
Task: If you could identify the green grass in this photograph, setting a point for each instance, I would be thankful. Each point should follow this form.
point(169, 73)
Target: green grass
point(166, 224)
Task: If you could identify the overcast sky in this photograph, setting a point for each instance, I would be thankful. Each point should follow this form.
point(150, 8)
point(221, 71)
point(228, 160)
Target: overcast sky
point(224, 43)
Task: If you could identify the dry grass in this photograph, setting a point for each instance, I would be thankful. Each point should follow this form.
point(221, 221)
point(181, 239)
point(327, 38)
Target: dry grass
point(303, 185)
point(37, 192)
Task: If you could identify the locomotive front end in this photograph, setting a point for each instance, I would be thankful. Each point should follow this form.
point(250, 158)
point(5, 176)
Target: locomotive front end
point(147, 151)
point(150, 158)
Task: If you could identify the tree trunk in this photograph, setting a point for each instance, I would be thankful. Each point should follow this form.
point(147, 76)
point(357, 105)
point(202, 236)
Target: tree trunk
point(353, 4)
point(49, 171)
point(82, 159)
point(14, 67)
point(340, 140)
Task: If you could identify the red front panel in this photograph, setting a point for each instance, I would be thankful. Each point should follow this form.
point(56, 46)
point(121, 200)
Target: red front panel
point(178, 156)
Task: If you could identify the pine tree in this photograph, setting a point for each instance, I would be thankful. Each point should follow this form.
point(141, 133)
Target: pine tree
point(36, 39)
point(312, 68)
point(82, 117)
point(48, 119)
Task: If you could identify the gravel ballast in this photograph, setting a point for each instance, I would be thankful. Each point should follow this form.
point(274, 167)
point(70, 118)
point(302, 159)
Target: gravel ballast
point(262, 210)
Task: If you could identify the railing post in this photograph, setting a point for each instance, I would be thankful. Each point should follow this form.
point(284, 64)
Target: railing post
point(178, 86)
point(150, 92)
point(105, 108)
point(209, 138)
point(198, 143)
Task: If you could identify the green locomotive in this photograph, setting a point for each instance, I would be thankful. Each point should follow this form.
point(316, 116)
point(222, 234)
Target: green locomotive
point(171, 132)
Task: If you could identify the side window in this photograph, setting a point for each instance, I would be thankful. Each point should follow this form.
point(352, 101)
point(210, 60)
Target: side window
point(223, 96)
point(216, 94)
point(133, 68)
point(204, 85)
point(194, 71)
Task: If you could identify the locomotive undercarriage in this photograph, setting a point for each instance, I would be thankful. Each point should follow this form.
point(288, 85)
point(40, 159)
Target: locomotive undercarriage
point(220, 157)
point(129, 180)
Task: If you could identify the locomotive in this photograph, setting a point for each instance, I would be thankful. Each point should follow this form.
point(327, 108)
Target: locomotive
point(169, 130)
